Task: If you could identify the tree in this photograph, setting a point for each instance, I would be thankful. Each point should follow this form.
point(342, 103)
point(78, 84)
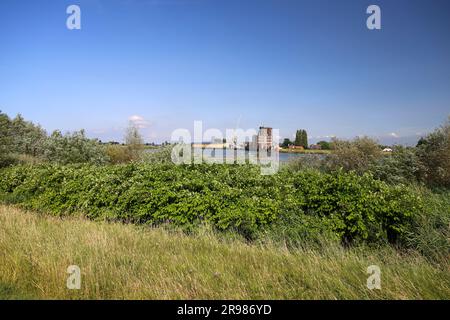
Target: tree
point(358, 155)
point(19, 138)
point(5, 140)
point(134, 142)
point(286, 143)
point(27, 137)
point(434, 153)
point(5, 136)
point(400, 166)
point(298, 138)
point(73, 148)
point(301, 138)
point(305, 139)
point(325, 145)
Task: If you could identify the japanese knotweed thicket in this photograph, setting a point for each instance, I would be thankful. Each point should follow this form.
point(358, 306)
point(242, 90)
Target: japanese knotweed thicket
point(229, 197)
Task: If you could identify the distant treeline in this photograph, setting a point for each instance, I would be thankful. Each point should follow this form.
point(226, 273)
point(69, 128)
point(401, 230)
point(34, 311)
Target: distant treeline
point(427, 163)
point(23, 142)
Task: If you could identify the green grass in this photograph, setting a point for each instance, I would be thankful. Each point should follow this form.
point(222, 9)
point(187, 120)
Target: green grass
point(9, 292)
point(120, 261)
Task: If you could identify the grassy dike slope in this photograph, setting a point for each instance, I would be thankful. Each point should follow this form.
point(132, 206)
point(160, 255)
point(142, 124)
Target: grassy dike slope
point(120, 261)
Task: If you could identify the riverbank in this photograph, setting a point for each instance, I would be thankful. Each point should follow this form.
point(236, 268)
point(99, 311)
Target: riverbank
point(305, 151)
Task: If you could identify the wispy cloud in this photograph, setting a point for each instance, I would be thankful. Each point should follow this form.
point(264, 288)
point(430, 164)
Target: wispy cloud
point(394, 135)
point(139, 121)
point(328, 136)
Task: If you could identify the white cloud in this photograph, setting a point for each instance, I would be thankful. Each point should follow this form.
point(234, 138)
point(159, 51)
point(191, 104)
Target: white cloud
point(394, 135)
point(328, 136)
point(136, 118)
point(139, 121)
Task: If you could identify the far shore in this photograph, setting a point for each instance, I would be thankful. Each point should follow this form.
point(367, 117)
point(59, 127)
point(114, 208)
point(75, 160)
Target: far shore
point(308, 151)
point(224, 146)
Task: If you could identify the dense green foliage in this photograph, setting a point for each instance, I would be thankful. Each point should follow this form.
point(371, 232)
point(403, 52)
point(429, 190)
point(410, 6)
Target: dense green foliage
point(24, 142)
point(118, 153)
point(19, 137)
point(27, 138)
point(433, 152)
point(357, 155)
point(325, 145)
point(131, 151)
point(235, 197)
point(5, 140)
point(428, 163)
point(73, 148)
point(401, 166)
point(286, 143)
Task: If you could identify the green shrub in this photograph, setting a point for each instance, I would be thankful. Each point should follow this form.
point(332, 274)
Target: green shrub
point(158, 155)
point(230, 197)
point(357, 207)
point(430, 231)
point(434, 153)
point(306, 162)
point(7, 160)
point(401, 166)
point(357, 155)
point(118, 154)
point(73, 148)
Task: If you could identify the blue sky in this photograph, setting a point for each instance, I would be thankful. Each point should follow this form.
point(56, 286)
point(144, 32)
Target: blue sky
point(286, 64)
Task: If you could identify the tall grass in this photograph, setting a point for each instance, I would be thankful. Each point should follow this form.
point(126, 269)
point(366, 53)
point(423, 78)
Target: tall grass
point(120, 261)
point(430, 232)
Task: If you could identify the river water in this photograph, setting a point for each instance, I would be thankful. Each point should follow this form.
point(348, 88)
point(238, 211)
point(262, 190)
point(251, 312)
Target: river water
point(220, 155)
point(224, 155)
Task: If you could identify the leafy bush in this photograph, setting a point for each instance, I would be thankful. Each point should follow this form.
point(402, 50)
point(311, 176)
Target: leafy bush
point(28, 138)
point(133, 150)
point(233, 197)
point(305, 162)
point(5, 141)
point(118, 154)
point(325, 145)
point(357, 207)
point(434, 153)
point(357, 155)
point(428, 162)
point(401, 166)
point(7, 160)
point(73, 148)
point(18, 136)
point(24, 142)
point(160, 155)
